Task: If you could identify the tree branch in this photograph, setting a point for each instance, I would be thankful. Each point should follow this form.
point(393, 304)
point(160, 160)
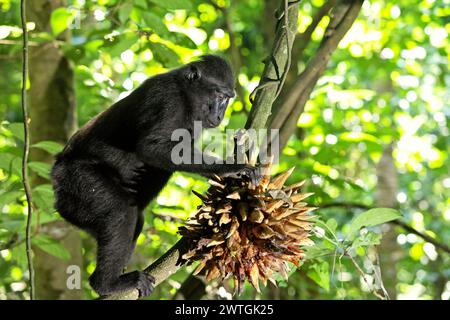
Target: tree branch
point(405, 226)
point(271, 80)
point(301, 42)
point(363, 275)
point(422, 235)
point(346, 205)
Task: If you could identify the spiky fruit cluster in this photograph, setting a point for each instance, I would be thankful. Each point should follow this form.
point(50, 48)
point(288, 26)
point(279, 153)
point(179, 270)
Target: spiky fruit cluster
point(249, 232)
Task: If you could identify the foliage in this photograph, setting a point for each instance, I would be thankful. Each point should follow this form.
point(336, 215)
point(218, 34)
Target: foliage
point(386, 83)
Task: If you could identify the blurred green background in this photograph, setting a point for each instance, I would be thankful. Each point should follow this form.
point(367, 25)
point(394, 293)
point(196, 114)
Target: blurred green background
point(385, 89)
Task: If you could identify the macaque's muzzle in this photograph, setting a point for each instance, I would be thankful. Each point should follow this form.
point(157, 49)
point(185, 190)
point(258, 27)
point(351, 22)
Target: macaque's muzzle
point(216, 112)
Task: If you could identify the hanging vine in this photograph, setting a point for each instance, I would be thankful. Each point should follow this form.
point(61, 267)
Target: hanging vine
point(26, 147)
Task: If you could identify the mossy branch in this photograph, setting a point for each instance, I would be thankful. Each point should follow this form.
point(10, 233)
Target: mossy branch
point(276, 66)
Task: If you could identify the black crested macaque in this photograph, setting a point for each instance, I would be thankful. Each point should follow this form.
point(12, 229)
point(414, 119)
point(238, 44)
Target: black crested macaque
point(118, 162)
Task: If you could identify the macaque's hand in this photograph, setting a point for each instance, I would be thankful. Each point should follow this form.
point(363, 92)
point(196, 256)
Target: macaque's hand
point(252, 172)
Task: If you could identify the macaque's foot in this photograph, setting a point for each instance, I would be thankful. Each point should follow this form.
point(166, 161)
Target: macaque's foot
point(144, 283)
point(139, 280)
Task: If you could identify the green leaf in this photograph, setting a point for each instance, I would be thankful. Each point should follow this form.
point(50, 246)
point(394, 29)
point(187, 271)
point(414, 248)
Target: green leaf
point(16, 129)
point(5, 236)
point(10, 196)
point(366, 240)
point(318, 250)
point(320, 274)
point(121, 43)
point(49, 146)
point(166, 56)
point(19, 255)
point(372, 218)
point(41, 168)
point(13, 223)
point(61, 19)
point(11, 164)
point(6, 160)
point(173, 4)
point(332, 224)
point(16, 166)
point(154, 22)
point(182, 40)
point(43, 197)
point(124, 12)
point(141, 3)
point(44, 216)
point(51, 246)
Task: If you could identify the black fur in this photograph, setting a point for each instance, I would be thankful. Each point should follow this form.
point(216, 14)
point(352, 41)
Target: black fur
point(118, 162)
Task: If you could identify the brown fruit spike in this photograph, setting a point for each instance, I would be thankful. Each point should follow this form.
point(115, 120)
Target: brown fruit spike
point(243, 210)
point(279, 181)
point(235, 195)
point(249, 232)
point(254, 277)
point(274, 205)
point(300, 196)
point(263, 232)
point(256, 216)
point(224, 219)
point(296, 185)
point(234, 226)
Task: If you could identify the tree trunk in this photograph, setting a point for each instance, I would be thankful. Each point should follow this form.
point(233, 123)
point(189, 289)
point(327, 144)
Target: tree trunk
point(386, 197)
point(53, 117)
point(268, 22)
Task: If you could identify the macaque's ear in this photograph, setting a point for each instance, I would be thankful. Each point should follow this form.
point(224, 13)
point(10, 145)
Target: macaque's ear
point(193, 73)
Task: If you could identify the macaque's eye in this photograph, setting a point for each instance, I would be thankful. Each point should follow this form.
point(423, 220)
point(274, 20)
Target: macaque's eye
point(220, 96)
